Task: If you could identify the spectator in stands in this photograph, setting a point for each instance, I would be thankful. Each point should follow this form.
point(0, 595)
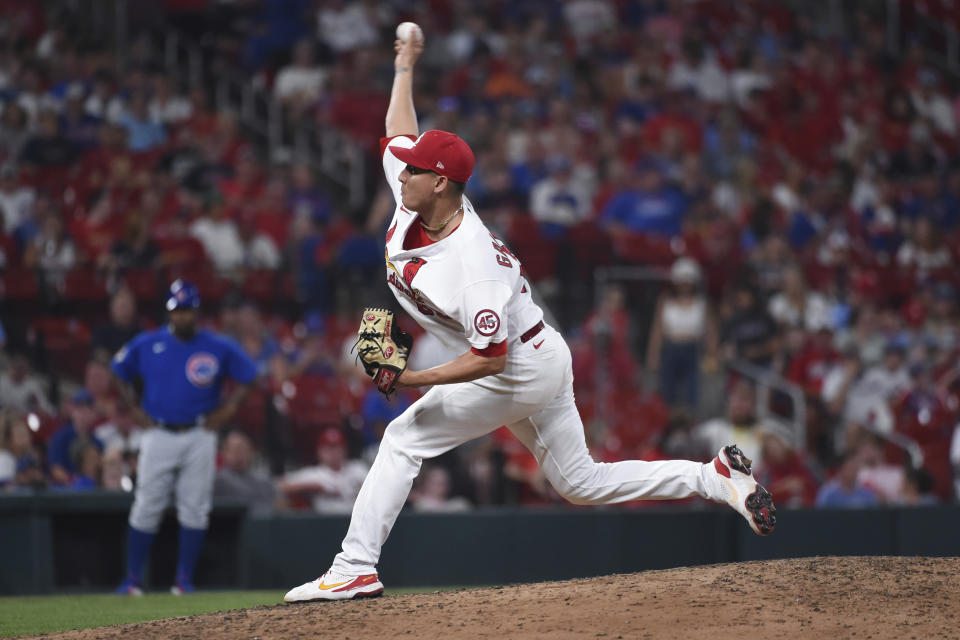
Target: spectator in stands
point(300, 84)
point(52, 249)
point(48, 147)
point(22, 391)
point(98, 380)
point(103, 102)
point(748, 332)
point(868, 399)
point(305, 199)
point(14, 132)
point(932, 105)
point(917, 489)
point(134, 250)
point(796, 306)
point(431, 492)
point(16, 200)
point(237, 480)
point(648, 205)
point(258, 343)
point(333, 484)
point(377, 413)
point(843, 491)
point(259, 249)
point(740, 424)
point(121, 327)
point(72, 437)
point(681, 335)
point(19, 460)
point(121, 433)
point(785, 471)
point(561, 199)
point(80, 128)
point(347, 26)
point(167, 106)
point(219, 236)
point(86, 459)
point(924, 252)
point(144, 132)
point(115, 471)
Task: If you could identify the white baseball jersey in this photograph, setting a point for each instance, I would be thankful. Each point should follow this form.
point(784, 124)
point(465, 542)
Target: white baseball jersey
point(468, 289)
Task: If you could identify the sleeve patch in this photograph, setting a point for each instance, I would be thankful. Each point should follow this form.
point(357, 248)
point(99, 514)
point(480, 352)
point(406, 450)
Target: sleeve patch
point(486, 322)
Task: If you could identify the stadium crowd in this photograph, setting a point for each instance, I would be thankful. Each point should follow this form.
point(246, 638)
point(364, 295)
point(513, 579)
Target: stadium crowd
point(798, 190)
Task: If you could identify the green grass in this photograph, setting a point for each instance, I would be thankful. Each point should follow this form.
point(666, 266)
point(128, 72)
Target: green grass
point(47, 614)
point(28, 615)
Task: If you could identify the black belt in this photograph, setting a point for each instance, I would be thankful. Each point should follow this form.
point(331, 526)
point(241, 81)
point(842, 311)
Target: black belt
point(532, 332)
point(177, 426)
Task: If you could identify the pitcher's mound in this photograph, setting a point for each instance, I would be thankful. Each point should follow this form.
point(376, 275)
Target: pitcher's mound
point(872, 597)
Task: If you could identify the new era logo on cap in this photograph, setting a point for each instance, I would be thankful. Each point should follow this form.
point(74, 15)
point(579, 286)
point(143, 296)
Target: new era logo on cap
point(441, 152)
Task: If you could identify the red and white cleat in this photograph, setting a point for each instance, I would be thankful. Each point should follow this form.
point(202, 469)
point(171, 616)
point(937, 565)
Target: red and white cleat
point(739, 490)
point(333, 586)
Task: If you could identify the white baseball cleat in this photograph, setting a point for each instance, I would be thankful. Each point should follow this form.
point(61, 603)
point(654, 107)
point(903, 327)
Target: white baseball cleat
point(739, 490)
point(334, 586)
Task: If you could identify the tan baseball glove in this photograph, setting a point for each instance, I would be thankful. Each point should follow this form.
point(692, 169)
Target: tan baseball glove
point(383, 348)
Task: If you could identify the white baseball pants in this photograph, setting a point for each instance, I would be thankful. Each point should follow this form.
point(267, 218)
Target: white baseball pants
point(534, 398)
point(181, 464)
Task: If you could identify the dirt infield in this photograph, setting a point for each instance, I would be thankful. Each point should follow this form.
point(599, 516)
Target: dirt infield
point(903, 598)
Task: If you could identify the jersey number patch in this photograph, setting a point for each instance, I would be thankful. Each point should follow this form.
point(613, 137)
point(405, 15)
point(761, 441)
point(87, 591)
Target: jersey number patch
point(504, 255)
point(486, 322)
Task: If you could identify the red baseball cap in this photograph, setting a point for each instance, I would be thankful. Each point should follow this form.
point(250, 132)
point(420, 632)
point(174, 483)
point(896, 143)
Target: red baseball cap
point(443, 153)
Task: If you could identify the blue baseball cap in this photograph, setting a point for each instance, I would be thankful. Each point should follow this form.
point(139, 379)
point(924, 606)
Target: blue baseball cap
point(183, 295)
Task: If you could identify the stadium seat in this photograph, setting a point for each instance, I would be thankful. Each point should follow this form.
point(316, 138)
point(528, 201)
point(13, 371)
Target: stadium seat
point(84, 285)
point(66, 344)
point(19, 285)
point(143, 284)
point(261, 285)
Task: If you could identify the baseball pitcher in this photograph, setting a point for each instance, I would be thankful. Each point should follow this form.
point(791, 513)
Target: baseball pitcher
point(182, 370)
point(466, 288)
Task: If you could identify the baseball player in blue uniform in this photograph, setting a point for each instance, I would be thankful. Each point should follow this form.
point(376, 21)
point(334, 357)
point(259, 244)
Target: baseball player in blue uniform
point(182, 370)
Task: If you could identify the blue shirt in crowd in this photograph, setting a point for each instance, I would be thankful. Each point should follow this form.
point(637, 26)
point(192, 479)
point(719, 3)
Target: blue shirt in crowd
point(58, 451)
point(833, 494)
point(659, 212)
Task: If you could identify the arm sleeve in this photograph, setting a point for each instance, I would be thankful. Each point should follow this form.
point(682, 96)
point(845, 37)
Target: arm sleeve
point(240, 366)
point(391, 165)
point(482, 313)
point(126, 362)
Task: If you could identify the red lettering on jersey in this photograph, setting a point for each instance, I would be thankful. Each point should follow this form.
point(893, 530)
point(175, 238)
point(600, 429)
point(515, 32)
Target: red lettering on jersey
point(414, 295)
point(505, 250)
point(410, 270)
point(504, 261)
point(390, 232)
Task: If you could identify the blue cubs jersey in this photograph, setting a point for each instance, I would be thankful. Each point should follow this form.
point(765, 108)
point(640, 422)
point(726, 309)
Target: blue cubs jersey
point(182, 380)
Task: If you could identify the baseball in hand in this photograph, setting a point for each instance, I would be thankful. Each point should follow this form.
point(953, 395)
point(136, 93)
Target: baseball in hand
point(406, 30)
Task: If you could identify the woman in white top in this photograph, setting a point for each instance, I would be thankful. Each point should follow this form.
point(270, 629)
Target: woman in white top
point(682, 330)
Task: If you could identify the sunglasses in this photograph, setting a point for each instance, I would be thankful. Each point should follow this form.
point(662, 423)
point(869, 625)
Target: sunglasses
point(415, 171)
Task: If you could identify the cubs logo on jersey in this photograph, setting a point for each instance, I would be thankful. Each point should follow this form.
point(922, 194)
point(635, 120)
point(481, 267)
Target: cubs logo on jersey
point(202, 369)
